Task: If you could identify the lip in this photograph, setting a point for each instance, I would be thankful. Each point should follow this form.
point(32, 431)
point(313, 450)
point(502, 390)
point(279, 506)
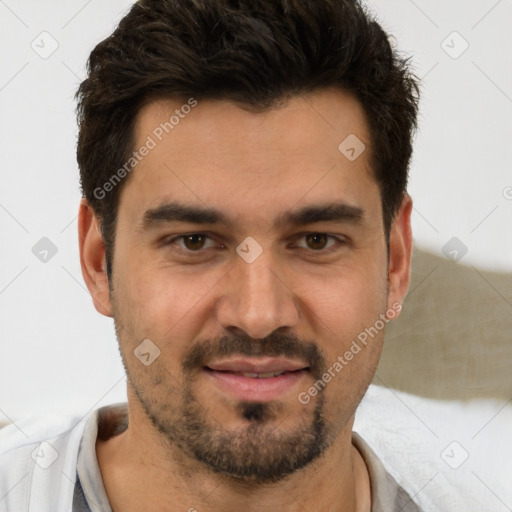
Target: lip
point(257, 365)
point(227, 376)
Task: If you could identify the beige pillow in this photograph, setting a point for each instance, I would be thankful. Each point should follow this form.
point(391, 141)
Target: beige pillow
point(453, 338)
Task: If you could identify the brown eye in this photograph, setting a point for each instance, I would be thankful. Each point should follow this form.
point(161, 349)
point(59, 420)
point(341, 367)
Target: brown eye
point(191, 242)
point(194, 242)
point(316, 241)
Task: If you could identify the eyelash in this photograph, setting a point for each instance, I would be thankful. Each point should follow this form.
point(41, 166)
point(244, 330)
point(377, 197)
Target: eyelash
point(338, 242)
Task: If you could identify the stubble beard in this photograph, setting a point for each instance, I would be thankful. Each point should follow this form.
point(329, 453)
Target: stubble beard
point(257, 453)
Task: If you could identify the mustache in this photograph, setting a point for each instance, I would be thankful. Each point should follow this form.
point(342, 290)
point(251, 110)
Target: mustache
point(276, 344)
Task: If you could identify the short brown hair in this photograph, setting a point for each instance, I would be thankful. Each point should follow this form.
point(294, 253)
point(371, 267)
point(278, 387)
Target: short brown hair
point(254, 53)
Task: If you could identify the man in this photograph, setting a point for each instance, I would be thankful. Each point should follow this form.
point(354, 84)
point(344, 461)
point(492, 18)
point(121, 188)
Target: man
point(245, 222)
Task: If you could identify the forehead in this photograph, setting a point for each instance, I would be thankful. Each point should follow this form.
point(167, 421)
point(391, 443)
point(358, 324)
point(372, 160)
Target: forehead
point(219, 154)
point(321, 119)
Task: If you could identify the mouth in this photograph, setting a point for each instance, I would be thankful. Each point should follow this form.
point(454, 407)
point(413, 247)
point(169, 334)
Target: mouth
point(252, 379)
point(251, 375)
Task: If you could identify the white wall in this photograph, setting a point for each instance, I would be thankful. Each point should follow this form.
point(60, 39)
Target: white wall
point(56, 352)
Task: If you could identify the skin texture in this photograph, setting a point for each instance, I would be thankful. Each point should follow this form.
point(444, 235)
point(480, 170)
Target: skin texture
point(190, 444)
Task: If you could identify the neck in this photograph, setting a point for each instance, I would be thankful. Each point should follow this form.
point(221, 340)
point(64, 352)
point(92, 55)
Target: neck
point(141, 471)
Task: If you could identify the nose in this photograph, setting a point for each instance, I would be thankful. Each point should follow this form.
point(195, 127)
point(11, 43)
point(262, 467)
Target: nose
point(257, 299)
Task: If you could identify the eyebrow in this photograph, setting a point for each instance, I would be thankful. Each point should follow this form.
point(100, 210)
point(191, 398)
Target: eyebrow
point(178, 212)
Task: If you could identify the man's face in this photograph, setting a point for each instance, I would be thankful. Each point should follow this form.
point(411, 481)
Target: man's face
point(273, 286)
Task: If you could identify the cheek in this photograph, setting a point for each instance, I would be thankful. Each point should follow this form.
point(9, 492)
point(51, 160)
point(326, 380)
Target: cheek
point(357, 306)
point(347, 299)
point(164, 303)
point(346, 314)
point(352, 344)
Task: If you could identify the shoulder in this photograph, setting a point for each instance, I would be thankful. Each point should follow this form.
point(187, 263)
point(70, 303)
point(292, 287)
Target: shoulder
point(35, 452)
point(431, 449)
point(28, 431)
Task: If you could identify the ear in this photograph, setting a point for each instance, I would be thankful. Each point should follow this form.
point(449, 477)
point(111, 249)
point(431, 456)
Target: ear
point(400, 253)
point(92, 258)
